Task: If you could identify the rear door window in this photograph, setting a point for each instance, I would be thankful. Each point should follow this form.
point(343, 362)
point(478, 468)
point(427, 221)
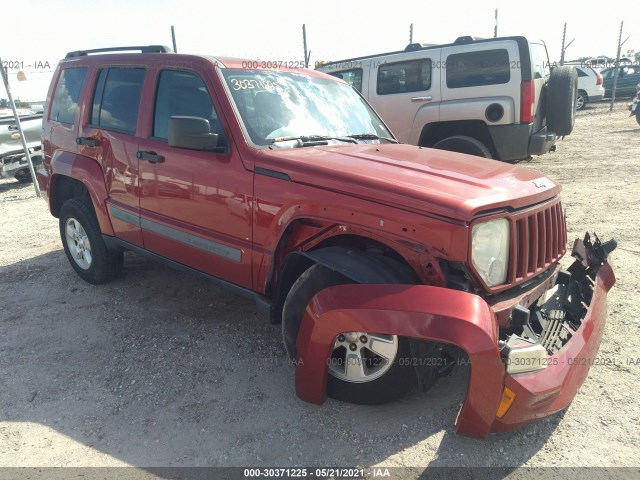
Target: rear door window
point(116, 99)
point(65, 99)
point(478, 68)
point(403, 77)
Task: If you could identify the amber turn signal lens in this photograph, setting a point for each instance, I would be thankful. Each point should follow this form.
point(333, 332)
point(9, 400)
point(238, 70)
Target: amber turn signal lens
point(505, 402)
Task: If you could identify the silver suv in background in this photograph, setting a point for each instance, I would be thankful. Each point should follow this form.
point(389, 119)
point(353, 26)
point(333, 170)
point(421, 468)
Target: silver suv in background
point(494, 97)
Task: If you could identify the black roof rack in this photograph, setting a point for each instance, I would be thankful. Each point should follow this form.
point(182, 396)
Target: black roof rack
point(141, 49)
point(418, 46)
point(467, 39)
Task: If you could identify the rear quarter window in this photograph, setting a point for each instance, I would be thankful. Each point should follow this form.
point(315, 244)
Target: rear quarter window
point(475, 69)
point(67, 94)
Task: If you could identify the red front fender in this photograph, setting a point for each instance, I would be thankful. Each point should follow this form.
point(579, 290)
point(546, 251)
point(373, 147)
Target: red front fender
point(417, 311)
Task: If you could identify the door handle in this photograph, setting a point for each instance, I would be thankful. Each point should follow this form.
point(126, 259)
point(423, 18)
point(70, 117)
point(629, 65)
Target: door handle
point(421, 99)
point(152, 157)
point(89, 142)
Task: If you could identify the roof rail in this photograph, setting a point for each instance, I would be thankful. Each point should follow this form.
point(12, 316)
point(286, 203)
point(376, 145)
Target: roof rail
point(467, 39)
point(418, 46)
point(142, 49)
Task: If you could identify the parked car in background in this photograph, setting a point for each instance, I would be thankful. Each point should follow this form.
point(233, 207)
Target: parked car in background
point(590, 88)
point(634, 107)
point(13, 161)
point(628, 78)
point(494, 97)
point(598, 62)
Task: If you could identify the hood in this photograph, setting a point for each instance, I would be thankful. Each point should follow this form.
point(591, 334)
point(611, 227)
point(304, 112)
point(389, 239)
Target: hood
point(451, 184)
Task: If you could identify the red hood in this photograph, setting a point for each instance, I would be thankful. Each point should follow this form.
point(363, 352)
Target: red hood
point(445, 183)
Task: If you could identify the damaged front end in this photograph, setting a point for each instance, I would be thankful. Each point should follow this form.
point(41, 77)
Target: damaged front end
point(519, 373)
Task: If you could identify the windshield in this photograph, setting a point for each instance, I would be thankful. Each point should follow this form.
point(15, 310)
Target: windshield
point(279, 107)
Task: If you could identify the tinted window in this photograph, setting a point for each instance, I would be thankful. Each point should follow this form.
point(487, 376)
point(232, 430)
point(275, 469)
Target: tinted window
point(352, 77)
point(182, 93)
point(401, 77)
point(581, 73)
point(65, 98)
point(116, 99)
point(473, 69)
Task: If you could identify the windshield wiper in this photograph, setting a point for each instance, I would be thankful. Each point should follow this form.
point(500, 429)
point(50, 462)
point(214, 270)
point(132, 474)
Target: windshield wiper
point(313, 140)
point(372, 136)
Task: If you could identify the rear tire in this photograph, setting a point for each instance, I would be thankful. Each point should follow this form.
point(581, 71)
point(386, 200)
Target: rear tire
point(464, 144)
point(382, 380)
point(561, 100)
point(83, 244)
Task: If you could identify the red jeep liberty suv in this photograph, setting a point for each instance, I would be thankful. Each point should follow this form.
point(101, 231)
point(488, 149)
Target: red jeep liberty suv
point(376, 258)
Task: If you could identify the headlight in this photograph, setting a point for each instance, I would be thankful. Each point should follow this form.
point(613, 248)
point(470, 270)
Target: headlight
point(490, 250)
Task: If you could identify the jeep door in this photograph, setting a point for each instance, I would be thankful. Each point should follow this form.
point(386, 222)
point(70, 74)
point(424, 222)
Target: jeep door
point(405, 91)
point(195, 205)
point(110, 137)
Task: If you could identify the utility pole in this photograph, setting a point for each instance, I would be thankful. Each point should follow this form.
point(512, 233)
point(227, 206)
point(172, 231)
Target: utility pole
point(410, 34)
point(304, 44)
point(564, 35)
point(617, 70)
point(173, 39)
point(495, 28)
point(20, 131)
point(564, 47)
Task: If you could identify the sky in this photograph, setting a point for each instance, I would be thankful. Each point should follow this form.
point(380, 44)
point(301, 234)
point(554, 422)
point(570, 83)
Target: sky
point(43, 31)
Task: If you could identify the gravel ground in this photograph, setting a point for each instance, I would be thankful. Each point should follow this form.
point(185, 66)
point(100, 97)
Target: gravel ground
point(161, 369)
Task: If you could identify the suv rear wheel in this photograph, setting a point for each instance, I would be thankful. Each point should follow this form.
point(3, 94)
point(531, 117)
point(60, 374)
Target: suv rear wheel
point(582, 100)
point(464, 144)
point(83, 244)
point(365, 368)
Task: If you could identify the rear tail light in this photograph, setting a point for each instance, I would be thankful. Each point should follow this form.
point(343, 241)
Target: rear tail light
point(598, 79)
point(527, 99)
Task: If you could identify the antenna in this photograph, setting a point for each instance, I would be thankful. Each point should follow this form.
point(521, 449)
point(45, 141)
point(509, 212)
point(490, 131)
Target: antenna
point(173, 38)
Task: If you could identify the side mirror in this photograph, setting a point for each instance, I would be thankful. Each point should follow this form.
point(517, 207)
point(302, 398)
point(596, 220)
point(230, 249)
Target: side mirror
point(193, 133)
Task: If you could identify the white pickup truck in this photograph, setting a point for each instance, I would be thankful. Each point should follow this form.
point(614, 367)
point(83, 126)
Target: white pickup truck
point(13, 161)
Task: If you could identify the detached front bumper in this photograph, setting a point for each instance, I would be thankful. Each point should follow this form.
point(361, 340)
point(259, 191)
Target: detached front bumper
point(467, 321)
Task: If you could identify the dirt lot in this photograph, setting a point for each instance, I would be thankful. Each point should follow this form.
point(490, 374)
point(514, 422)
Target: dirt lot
point(160, 369)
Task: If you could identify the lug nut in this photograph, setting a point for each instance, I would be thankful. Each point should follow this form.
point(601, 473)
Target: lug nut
point(363, 339)
point(341, 338)
point(353, 347)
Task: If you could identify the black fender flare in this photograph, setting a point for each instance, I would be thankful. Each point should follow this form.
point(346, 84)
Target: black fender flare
point(362, 267)
point(355, 264)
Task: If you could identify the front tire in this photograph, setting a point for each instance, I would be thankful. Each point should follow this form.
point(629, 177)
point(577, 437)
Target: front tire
point(83, 244)
point(378, 370)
